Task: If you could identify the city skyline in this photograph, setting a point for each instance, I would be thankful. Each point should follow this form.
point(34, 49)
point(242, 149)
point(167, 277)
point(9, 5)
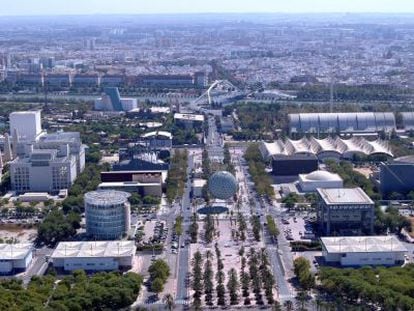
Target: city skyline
point(78, 7)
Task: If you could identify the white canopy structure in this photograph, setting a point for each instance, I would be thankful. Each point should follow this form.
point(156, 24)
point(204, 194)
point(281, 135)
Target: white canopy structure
point(326, 148)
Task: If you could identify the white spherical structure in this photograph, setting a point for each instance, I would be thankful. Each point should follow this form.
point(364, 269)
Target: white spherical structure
point(222, 185)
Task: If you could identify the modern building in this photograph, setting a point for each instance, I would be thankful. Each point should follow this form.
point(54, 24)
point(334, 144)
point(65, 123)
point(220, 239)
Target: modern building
point(164, 81)
point(113, 80)
point(43, 170)
point(111, 101)
point(329, 148)
point(342, 122)
point(345, 211)
point(157, 140)
point(58, 80)
point(94, 256)
point(363, 251)
point(15, 258)
point(107, 214)
point(294, 165)
point(83, 80)
point(397, 176)
point(407, 120)
point(319, 179)
point(142, 162)
point(49, 164)
point(142, 182)
point(27, 124)
point(226, 124)
point(189, 120)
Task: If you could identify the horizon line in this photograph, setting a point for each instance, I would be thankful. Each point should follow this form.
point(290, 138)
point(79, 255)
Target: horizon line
point(211, 13)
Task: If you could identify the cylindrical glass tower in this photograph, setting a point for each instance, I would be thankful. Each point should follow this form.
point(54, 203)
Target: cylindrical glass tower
point(107, 213)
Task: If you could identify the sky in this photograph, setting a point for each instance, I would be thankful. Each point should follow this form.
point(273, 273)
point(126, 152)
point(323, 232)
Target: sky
point(75, 7)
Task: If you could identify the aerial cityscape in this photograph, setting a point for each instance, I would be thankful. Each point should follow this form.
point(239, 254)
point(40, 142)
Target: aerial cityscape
point(196, 159)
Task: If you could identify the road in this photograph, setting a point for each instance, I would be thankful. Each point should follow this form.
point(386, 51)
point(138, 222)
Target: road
point(184, 253)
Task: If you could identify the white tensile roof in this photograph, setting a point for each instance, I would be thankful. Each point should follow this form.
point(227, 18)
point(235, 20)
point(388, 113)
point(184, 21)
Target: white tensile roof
point(94, 249)
point(362, 244)
point(318, 146)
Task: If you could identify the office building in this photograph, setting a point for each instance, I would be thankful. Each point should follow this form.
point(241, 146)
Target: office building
point(134, 180)
point(27, 124)
point(83, 80)
point(165, 81)
point(112, 101)
point(43, 170)
point(345, 211)
point(107, 214)
point(342, 122)
point(319, 179)
point(363, 251)
point(15, 258)
point(94, 256)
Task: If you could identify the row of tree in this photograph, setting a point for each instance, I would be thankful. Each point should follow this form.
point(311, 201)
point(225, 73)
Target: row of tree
point(257, 169)
point(159, 273)
point(177, 175)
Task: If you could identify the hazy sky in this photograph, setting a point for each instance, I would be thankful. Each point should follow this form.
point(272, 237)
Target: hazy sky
point(58, 7)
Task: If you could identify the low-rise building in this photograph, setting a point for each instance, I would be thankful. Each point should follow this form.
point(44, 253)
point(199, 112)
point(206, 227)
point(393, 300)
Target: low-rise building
point(15, 258)
point(94, 256)
point(363, 250)
point(319, 179)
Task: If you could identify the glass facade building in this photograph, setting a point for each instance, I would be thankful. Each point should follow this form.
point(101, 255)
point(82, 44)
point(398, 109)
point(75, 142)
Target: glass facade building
point(107, 213)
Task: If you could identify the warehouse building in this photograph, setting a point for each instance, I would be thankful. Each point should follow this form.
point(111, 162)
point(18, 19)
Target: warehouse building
point(15, 258)
point(94, 256)
point(345, 211)
point(319, 179)
point(342, 122)
point(363, 251)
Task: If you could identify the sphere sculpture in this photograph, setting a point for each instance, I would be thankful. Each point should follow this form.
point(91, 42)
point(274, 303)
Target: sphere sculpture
point(222, 185)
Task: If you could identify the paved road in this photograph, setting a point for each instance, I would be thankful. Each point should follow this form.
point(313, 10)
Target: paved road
point(184, 253)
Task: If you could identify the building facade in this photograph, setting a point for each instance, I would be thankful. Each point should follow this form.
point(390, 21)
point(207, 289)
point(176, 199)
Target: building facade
point(94, 256)
point(345, 211)
point(107, 214)
point(15, 258)
point(363, 251)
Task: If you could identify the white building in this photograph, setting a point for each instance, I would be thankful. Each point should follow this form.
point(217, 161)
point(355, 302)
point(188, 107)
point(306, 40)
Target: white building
point(27, 124)
point(319, 179)
point(363, 250)
point(15, 257)
point(188, 119)
point(94, 256)
point(112, 101)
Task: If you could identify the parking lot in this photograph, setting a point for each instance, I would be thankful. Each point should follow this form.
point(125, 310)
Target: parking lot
point(298, 228)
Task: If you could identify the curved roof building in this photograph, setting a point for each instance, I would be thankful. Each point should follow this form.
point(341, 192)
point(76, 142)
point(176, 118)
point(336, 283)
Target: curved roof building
point(408, 120)
point(326, 148)
point(319, 179)
point(342, 122)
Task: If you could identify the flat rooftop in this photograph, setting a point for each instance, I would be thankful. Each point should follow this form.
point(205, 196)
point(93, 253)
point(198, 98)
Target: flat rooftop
point(189, 117)
point(344, 196)
point(362, 244)
point(94, 249)
point(14, 251)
